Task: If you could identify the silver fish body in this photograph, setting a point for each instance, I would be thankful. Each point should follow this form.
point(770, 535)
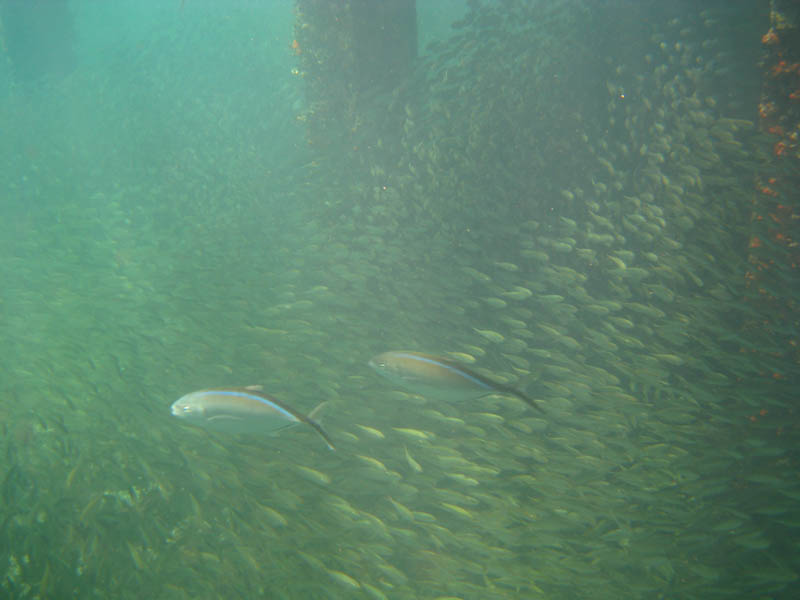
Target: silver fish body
point(241, 410)
point(438, 377)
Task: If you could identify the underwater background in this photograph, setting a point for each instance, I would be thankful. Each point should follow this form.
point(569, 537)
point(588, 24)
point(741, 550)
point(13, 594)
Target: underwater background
point(568, 196)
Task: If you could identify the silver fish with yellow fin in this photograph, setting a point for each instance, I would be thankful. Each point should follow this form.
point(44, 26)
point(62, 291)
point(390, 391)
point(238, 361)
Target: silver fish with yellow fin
point(242, 410)
point(438, 377)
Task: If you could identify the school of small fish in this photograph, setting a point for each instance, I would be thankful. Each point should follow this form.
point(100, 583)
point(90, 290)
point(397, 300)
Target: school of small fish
point(595, 384)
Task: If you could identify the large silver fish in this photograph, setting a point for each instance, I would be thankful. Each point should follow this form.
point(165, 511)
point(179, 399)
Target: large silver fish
point(242, 410)
point(439, 377)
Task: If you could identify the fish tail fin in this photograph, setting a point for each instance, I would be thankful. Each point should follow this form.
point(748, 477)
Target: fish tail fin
point(527, 400)
point(509, 391)
point(314, 414)
point(313, 420)
point(322, 434)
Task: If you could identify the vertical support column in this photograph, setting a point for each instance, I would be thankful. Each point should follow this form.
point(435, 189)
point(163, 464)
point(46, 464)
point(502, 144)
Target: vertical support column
point(349, 51)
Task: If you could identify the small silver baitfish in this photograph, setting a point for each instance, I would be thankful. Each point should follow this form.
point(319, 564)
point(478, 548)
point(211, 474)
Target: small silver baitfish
point(439, 377)
point(242, 410)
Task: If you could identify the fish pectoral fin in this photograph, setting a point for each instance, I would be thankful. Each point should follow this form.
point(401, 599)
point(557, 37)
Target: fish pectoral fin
point(254, 388)
point(289, 425)
point(218, 418)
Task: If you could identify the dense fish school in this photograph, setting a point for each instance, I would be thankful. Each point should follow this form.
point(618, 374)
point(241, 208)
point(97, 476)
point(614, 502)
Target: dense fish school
point(559, 206)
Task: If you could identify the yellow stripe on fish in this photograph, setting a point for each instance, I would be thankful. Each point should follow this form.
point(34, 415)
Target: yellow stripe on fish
point(242, 410)
point(438, 377)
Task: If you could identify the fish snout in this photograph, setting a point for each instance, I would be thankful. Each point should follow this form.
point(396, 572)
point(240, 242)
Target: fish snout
point(181, 408)
point(377, 362)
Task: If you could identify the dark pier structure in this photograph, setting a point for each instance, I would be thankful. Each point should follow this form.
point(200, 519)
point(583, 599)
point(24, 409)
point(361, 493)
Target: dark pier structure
point(351, 53)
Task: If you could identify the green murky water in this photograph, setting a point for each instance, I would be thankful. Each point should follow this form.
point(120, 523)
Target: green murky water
point(566, 205)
